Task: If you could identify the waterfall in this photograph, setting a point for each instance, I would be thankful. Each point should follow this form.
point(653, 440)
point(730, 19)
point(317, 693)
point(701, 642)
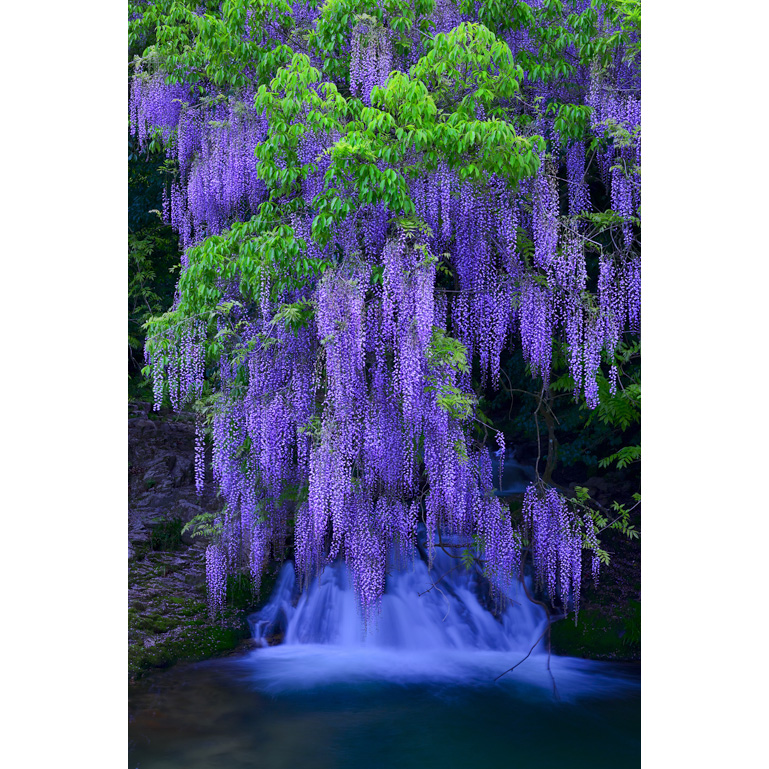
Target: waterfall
point(447, 608)
point(515, 476)
point(420, 612)
point(434, 625)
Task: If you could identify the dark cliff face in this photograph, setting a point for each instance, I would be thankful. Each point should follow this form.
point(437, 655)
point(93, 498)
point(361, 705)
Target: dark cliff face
point(167, 615)
point(161, 472)
point(161, 483)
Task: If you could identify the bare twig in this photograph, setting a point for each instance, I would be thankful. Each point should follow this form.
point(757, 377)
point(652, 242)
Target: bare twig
point(549, 620)
point(448, 605)
point(434, 584)
point(552, 677)
point(536, 422)
point(541, 635)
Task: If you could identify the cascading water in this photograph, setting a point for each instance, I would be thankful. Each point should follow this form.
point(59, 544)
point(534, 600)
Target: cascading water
point(515, 476)
point(446, 608)
point(420, 612)
point(435, 626)
point(438, 625)
point(443, 609)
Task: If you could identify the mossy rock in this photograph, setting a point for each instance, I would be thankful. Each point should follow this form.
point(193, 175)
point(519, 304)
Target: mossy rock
point(599, 635)
point(241, 594)
point(152, 624)
point(166, 536)
point(190, 635)
point(197, 641)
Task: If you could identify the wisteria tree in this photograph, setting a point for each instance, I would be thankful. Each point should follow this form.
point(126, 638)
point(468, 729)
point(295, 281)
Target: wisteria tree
point(377, 202)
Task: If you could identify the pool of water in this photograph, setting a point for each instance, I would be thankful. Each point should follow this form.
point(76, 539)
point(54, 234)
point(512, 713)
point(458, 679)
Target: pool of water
point(326, 707)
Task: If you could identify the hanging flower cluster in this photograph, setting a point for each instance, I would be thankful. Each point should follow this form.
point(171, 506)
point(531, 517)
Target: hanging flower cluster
point(217, 181)
point(216, 577)
point(155, 106)
point(177, 363)
point(557, 536)
point(371, 57)
point(211, 141)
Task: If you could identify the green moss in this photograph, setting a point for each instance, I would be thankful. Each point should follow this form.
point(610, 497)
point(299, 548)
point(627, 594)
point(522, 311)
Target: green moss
point(198, 640)
point(150, 623)
point(193, 609)
point(167, 536)
point(141, 549)
point(599, 635)
point(240, 592)
point(195, 637)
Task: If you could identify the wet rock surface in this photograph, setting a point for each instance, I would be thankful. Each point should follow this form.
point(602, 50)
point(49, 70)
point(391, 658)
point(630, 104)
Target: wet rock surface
point(167, 615)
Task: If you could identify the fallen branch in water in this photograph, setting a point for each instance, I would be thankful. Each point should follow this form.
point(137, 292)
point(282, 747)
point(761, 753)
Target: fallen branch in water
point(434, 584)
point(510, 670)
point(549, 624)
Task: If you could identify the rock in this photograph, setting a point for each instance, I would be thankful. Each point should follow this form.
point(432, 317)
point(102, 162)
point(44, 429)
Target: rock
point(597, 486)
point(166, 587)
point(154, 501)
point(156, 522)
point(168, 470)
point(142, 425)
point(185, 471)
point(156, 473)
point(188, 510)
point(137, 532)
point(194, 578)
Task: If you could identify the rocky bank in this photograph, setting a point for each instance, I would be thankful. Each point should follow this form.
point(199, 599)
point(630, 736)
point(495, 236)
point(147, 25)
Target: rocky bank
point(167, 615)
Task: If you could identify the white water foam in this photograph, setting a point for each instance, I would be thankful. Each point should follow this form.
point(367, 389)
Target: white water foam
point(430, 630)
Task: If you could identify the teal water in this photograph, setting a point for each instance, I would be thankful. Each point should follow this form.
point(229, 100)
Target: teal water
point(230, 714)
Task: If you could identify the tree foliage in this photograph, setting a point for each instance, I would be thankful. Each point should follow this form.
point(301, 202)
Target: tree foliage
point(377, 202)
